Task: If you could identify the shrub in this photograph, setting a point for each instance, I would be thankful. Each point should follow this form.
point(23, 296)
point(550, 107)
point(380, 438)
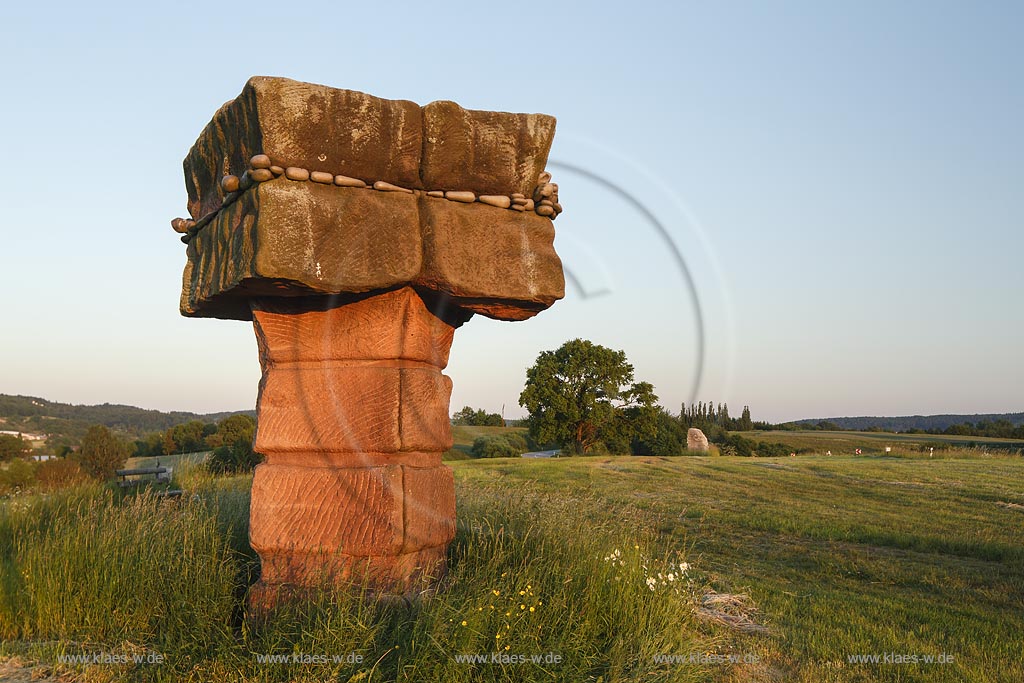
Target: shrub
point(765, 449)
point(59, 474)
point(12, 446)
point(17, 476)
point(234, 459)
point(232, 429)
point(494, 447)
point(517, 441)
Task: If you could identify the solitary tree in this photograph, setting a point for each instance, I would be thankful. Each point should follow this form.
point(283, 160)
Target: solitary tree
point(101, 452)
point(583, 394)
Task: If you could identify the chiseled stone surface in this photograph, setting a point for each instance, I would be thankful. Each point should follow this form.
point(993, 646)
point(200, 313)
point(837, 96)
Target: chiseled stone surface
point(304, 125)
point(286, 238)
point(487, 152)
point(392, 325)
point(343, 408)
point(498, 263)
point(352, 417)
point(357, 512)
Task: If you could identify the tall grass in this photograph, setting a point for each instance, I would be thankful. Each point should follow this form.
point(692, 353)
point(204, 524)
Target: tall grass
point(529, 575)
point(526, 578)
point(141, 571)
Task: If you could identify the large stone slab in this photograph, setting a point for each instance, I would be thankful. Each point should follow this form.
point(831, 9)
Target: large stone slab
point(484, 151)
point(498, 263)
point(285, 238)
point(292, 238)
point(308, 126)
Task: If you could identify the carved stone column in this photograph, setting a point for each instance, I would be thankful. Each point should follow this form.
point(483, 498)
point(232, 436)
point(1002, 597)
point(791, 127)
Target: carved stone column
point(353, 418)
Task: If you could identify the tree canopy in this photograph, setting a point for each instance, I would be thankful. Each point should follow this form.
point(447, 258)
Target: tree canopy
point(13, 446)
point(582, 397)
point(102, 452)
point(477, 418)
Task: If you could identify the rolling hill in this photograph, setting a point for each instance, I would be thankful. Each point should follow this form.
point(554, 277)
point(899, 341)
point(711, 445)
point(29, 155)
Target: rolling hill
point(38, 415)
point(908, 422)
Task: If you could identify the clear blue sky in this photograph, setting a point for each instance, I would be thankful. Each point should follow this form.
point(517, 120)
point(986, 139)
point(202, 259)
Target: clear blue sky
point(844, 182)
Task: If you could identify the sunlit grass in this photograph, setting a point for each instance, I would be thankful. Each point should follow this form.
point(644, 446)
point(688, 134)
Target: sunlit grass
point(529, 575)
point(841, 555)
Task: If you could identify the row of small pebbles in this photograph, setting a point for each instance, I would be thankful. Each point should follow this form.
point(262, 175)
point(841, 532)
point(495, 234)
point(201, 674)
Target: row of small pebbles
point(545, 195)
point(262, 169)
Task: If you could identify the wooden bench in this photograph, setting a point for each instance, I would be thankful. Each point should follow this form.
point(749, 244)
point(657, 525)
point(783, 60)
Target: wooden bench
point(160, 476)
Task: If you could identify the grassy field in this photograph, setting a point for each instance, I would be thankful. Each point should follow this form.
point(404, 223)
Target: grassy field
point(844, 443)
point(841, 556)
point(844, 556)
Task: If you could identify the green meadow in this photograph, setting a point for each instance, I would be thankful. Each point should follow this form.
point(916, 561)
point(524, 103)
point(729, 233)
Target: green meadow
point(906, 445)
point(793, 567)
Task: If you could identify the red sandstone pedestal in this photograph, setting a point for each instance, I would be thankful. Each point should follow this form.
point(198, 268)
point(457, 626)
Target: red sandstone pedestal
point(352, 419)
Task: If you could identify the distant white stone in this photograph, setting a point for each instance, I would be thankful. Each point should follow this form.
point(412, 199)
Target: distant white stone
point(695, 440)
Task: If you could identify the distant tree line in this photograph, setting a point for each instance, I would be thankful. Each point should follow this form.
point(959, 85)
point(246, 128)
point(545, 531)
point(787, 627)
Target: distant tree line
point(707, 416)
point(915, 424)
point(230, 441)
point(820, 425)
point(477, 418)
point(129, 419)
point(669, 435)
point(101, 451)
point(997, 429)
point(195, 435)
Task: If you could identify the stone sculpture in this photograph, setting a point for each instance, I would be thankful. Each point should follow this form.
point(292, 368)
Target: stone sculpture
point(357, 234)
